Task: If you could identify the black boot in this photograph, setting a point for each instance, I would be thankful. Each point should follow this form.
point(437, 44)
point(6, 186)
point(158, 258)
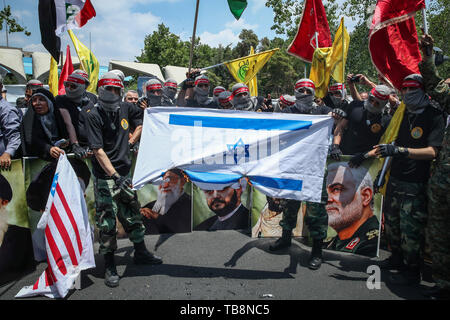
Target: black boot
point(394, 262)
point(283, 242)
point(111, 276)
point(315, 261)
point(143, 256)
point(409, 277)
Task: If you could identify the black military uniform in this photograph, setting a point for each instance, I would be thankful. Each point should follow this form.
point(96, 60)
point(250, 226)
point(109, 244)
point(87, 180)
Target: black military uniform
point(364, 129)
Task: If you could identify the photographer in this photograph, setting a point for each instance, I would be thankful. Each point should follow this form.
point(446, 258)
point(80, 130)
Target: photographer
point(352, 80)
point(154, 95)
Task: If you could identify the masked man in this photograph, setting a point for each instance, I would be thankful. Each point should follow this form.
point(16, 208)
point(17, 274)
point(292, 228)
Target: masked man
point(170, 91)
point(243, 101)
point(363, 127)
point(419, 139)
point(108, 128)
point(73, 106)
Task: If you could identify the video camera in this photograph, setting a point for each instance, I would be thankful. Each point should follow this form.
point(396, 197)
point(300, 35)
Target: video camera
point(439, 57)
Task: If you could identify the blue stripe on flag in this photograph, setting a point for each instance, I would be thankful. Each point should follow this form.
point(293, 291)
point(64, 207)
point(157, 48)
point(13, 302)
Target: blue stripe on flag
point(212, 177)
point(238, 123)
point(277, 183)
point(226, 178)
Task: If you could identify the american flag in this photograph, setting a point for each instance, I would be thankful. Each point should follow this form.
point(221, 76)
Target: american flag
point(68, 239)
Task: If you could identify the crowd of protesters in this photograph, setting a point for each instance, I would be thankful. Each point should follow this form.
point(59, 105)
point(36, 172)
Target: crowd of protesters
point(106, 126)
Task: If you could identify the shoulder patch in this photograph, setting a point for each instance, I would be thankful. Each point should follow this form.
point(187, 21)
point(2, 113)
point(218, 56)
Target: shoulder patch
point(372, 234)
point(352, 244)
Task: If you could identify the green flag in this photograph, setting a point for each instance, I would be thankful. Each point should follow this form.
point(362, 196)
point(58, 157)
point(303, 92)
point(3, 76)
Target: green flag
point(237, 7)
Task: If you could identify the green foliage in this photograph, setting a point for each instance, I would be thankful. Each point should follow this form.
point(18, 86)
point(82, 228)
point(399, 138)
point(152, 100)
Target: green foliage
point(282, 70)
point(13, 26)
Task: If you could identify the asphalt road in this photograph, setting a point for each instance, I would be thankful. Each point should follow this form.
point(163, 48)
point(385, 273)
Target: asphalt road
point(228, 265)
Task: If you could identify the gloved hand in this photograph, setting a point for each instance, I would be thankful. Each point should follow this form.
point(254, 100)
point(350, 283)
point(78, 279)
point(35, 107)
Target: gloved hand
point(339, 114)
point(335, 152)
point(389, 150)
point(377, 186)
point(122, 182)
point(357, 160)
point(134, 147)
point(79, 151)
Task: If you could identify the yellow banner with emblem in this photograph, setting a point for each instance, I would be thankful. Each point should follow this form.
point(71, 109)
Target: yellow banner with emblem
point(245, 68)
point(88, 60)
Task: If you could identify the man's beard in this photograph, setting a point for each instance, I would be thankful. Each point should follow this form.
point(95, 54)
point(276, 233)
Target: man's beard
point(345, 216)
point(3, 223)
point(227, 208)
point(165, 200)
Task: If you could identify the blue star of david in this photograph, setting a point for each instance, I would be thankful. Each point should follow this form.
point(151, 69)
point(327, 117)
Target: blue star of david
point(237, 148)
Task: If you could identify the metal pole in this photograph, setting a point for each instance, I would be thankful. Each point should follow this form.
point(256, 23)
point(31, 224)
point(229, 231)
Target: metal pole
point(425, 24)
point(193, 37)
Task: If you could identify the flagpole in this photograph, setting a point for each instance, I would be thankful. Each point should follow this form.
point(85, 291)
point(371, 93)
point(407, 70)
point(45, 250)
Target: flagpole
point(78, 55)
point(193, 36)
point(343, 50)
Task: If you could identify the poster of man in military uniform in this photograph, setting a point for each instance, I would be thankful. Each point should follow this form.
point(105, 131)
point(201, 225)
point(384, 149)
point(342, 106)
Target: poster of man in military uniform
point(353, 208)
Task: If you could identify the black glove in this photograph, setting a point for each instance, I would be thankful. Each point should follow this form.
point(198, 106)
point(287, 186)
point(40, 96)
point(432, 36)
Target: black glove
point(335, 152)
point(79, 151)
point(134, 147)
point(377, 186)
point(389, 150)
point(122, 182)
point(357, 159)
point(339, 113)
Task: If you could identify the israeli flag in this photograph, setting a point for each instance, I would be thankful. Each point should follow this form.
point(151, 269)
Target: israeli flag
point(282, 155)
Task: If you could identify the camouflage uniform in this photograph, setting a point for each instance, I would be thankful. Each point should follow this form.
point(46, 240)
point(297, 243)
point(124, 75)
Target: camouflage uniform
point(109, 203)
point(406, 215)
point(439, 183)
point(316, 217)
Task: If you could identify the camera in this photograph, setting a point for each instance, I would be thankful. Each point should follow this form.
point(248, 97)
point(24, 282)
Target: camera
point(439, 57)
point(354, 79)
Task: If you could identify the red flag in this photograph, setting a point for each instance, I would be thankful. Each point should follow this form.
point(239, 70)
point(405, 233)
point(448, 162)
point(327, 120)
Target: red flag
point(65, 72)
point(86, 13)
point(314, 20)
point(393, 42)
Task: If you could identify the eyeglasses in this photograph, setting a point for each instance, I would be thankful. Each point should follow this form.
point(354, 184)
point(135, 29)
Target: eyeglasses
point(132, 99)
point(203, 85)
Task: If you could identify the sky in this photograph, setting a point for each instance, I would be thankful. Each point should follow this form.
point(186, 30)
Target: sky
point(119, 29)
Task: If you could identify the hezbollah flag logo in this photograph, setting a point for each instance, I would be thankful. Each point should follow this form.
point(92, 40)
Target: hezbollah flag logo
point(245, 68)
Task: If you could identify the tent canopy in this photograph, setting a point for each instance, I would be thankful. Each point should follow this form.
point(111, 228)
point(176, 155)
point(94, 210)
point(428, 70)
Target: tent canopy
point(131, 68)
point(12, 59)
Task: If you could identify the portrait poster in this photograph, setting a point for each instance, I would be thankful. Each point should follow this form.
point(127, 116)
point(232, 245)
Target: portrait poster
point(266, 219)
point(16, 251)
point(226, 209)
point(353, 208)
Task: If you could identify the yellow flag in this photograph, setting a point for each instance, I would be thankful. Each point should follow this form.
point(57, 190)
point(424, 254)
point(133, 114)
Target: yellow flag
point(339, 56)
point(320, 70)
point(88, 60)
point(253, 84)
point(245, 68)
point(328, 62)
point(391, 133)
point(53, 77)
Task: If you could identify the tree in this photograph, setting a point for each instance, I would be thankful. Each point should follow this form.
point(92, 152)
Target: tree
point(11, 23)
point(164, 48)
